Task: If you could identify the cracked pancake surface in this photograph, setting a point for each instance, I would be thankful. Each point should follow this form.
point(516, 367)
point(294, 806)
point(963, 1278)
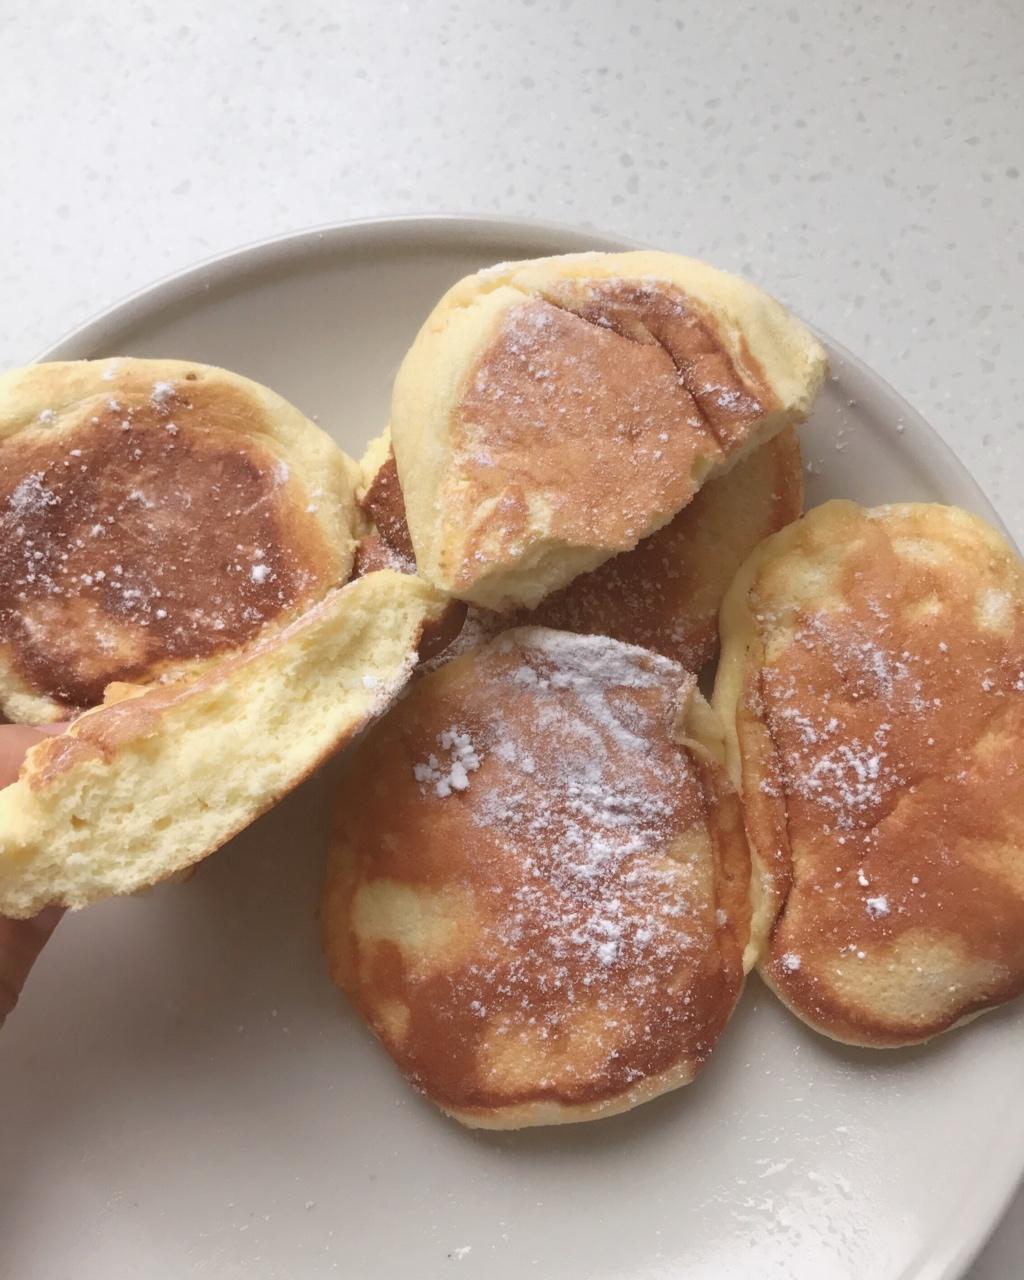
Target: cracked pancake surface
point(872, 688)
point(538, 890)
point(154, 514)
point(551, 414)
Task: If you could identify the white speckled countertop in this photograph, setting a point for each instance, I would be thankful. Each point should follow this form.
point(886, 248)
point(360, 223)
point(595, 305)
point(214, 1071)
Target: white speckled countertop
point(861, 160)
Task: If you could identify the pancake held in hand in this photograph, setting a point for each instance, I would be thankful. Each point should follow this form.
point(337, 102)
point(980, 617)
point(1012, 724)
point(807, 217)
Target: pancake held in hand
point(665, 593)
point(872, 685)
point(550, 414)
point(538, 895)
point(137, 790)
point(154, 514)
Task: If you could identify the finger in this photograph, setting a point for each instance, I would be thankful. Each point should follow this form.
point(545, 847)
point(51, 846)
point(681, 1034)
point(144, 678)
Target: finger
point(15, 740)
point(20, 943)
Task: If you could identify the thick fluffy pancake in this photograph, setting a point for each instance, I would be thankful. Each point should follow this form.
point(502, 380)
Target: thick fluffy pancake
point(154, 514)
point(538, 887)
point(664, 594)
point(139, 789)
point(872, 686)
point(550, 414)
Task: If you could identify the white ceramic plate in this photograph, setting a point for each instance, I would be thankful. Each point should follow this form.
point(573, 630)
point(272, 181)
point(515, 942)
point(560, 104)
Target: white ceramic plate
point(184, 1094)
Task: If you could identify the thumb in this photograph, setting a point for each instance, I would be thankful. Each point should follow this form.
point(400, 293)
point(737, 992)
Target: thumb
point(21, 940)
point(15, 740)
point(20, 943)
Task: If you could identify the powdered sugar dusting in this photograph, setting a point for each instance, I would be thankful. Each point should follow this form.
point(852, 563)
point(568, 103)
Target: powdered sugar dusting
point(848, 773)
point(31, 496)
point(589, 792)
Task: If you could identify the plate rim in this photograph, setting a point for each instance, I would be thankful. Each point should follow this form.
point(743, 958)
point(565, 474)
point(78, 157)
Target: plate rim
point(966, 1232)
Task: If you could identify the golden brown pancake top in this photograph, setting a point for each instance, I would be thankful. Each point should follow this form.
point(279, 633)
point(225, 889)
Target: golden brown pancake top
point(894, 703)
point(538, 894)
point(147, 533)
point(601, 401)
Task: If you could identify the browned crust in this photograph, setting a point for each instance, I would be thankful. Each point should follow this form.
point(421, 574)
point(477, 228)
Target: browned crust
point(148, 534)
point(383, 504)
point(728, 394)
point(439, 633)
point(390, 547)
point(665, 593)
point(373, 554)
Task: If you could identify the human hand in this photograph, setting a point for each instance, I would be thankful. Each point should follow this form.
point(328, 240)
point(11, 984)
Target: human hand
point(20, 940)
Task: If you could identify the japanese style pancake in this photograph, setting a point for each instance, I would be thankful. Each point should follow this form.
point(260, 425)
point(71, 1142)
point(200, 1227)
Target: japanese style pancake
point(538, 888)
point(872, 688)
point(551, 414)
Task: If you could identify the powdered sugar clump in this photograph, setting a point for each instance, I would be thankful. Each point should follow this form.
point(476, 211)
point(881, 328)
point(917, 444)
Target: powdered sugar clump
point(31, 496)
point(846, 778)
point(463, 760)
